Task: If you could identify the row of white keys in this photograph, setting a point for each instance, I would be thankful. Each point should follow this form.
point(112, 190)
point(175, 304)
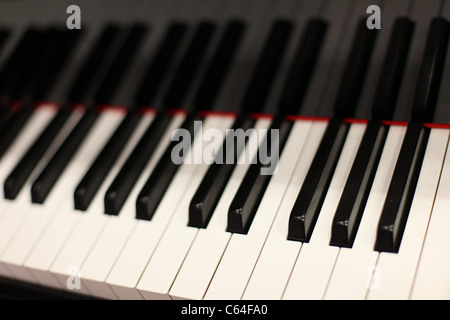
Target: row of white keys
point(395, 271)
point(13, 211)
point(316, 259)
point(32, 228)
point(241, 254)
point(206, 251)
point(209, 244)
point(262, 222)
point(22, 143)
point(124, 277)
point(166, 260)
point(354, 266)
point(145, 237)
point(85, 233)
point(117, 229)
point(275, 263)
point(278, 256)
point(432, 279)
point(64, 225)
point(31, 218)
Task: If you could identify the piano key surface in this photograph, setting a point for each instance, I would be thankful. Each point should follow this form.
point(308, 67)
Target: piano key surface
point(122, 256)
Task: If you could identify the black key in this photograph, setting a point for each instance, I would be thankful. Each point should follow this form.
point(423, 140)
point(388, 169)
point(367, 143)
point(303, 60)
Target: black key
point(312, 194)
point(303, 66)
point(159, 66)
point(44, 183)
point(430, 73)
point(357, 188)
point(30, 81)
point(211, 188)
point(208, 194)
point(47, 178)
point(120, 64)
point(15, 77)
point(310, 199)
point(36, 60)
point(15, 62)
point(392, 70)
point(120, 188)
point(214, 182)
point(355, 71)
point(92, 67)
point(267, 66)
point(52, 64)
point(12, 69)
point(88, 187)
point(406, 173)
point(4, 34)
point(189, 65)
point(5, 113)
point(401, 190)
point(12, 128)
point(252, 188)
point(23, 169)
point(26, 165)
point(158, 182)
point(220, 62)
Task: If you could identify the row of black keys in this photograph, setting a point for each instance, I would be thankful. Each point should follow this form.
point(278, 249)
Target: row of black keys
point(32, 85)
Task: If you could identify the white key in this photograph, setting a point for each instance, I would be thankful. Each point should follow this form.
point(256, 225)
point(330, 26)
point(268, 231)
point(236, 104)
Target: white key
point(37, 215)
point(242, 252)
point(110, 242)
point(432, 279)
point(354, 266)
point(81, 241)
point(56, 235)
point(278, 255)
point(11, 212)
point(206, 251)
point(137, 251)
point(174, 244)
point(396, 270)
point(315, 262)
point(33, 227)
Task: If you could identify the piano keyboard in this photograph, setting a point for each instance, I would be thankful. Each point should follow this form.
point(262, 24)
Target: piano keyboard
point(93, 206)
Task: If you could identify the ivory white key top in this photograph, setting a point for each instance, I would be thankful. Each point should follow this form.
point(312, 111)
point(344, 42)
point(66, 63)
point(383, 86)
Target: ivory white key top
point(396, 270)
point(242, 252)
point(204, 255)
point(38, 215)
point(167, 258)
point(81, 241)
point(110, 242)
point(432, 279)
point(12, 212)
point(278, 255)
point(139, 248)
point(354, 266)
point(316, 260)
point(48, 246)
